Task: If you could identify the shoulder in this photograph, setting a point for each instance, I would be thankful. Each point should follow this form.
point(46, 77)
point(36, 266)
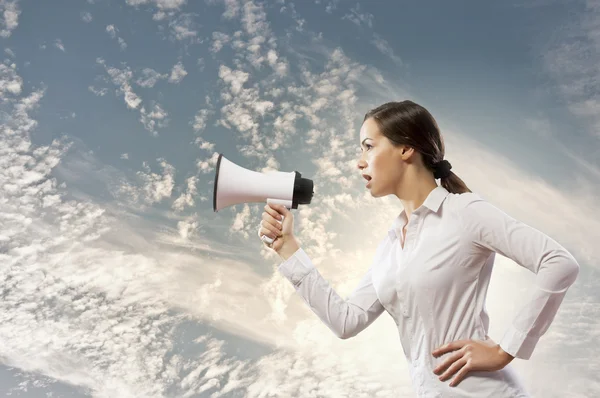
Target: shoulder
point(459, 201)
point(470, 210)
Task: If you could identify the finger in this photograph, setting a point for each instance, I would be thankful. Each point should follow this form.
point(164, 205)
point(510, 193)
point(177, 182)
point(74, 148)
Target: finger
point(281, 209)
point(268, 234)
point(268, 219)
point(448, 361)
point(455, 345)
point(453, 368)
point(460, 375)
point(272, 212)
point(269, 230)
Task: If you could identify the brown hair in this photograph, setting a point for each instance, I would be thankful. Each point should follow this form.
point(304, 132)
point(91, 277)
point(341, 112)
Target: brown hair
point(407, 123)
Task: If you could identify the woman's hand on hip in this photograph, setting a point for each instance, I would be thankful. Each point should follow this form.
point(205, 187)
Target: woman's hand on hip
point(470, 355)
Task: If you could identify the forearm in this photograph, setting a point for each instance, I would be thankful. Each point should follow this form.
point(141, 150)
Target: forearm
point(345, 317)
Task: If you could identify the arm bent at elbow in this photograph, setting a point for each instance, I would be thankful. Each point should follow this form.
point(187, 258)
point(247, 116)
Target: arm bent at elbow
point(345, 318)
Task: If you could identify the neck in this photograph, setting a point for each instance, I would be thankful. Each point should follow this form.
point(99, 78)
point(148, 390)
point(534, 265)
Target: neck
point(414, 189)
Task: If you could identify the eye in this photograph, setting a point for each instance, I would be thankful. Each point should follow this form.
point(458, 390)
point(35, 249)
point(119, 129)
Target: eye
point(368, 146)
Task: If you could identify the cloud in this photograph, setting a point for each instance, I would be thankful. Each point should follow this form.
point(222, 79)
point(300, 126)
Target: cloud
point(150, 187)
point(105, 293)
point(121, 78)
point(183, 27)
point(187, 198)
point(359, 18)
point(177, 73)
point(219, 39)
point(150, 78)
point(572, 61)
point(10, 81)
point(58, 44)
point(86, 17)
point(161, 4)
point(153, 119)
point(112, 31)
point(10, 17)
point(385, 48)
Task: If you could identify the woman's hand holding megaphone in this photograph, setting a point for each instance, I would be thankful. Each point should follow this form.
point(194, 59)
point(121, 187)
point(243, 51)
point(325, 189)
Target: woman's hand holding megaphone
point(284, 243)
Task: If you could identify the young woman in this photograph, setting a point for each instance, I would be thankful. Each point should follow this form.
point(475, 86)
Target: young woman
point(432, 269)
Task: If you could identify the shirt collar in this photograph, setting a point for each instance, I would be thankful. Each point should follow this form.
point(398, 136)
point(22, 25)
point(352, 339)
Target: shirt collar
point(433, 202)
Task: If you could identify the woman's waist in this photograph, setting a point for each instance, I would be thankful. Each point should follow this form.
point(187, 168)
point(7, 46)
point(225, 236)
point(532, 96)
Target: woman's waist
point(499, 383)
point(419, 342)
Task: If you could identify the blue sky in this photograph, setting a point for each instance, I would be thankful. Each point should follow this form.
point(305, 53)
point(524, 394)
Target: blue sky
point(120, 280)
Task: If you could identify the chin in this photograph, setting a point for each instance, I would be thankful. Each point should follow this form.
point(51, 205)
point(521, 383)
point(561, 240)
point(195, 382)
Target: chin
point(374, 194)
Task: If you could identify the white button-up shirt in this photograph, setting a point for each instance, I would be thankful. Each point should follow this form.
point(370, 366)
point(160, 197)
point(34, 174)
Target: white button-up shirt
point(434, 287)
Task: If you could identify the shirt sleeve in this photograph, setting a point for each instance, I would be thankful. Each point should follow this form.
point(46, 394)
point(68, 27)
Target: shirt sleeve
point(555, 269)
point(345, 318)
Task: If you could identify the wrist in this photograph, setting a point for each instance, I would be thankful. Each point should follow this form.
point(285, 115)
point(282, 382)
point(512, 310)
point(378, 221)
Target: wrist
point(506, 357)
point(289, 248)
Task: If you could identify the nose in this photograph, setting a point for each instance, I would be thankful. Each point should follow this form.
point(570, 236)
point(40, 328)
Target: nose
point(361, 164)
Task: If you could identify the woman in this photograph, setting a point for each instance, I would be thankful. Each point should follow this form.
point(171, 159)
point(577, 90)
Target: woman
point(432, 269)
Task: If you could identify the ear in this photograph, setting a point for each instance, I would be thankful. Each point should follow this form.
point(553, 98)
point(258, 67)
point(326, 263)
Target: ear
point(407, 152)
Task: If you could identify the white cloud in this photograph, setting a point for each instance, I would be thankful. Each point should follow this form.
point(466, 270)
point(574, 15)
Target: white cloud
point(154, 118)
point(235, 79)
point(232, 9)
point(161, 4)
point(219, 39)
point(385, 48)
point(187, 229)
point(10, 81)
point(58, 44)
point(150, 188)
point(112, 31)
point(187, 198)
point(183, 27)
point(121, 78)
point(208, 165)
point(99, 92)
point(359, 18)
point(10, 17)
point(201, 118)
point(86, 17)
point(177, 73)
point(573, 61)
point(150, 77)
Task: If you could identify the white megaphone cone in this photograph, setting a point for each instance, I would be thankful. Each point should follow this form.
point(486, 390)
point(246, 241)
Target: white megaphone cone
point(235, 184)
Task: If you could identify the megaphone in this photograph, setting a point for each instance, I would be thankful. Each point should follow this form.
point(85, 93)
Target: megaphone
point(235, 184)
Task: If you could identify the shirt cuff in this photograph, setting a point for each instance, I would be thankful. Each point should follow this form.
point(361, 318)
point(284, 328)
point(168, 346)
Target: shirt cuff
point(296, 267)
point(518, 344)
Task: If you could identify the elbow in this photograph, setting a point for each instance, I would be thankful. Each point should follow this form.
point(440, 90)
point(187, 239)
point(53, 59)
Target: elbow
point(569, 271)
point(346, 333)
point(573, 271)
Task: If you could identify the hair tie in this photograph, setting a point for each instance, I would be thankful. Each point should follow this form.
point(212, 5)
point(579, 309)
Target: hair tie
point(441, 169)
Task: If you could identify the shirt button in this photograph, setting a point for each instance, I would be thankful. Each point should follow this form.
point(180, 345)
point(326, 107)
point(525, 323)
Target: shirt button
point(404, 311)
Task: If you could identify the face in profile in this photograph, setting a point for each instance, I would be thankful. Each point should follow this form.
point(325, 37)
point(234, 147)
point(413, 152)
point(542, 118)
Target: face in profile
point(380, 160)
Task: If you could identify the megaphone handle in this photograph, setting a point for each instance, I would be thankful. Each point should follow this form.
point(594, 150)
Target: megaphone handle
point(286, 203)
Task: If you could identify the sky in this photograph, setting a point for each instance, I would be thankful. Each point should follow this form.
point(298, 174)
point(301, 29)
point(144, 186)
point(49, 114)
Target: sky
point(119, 279)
